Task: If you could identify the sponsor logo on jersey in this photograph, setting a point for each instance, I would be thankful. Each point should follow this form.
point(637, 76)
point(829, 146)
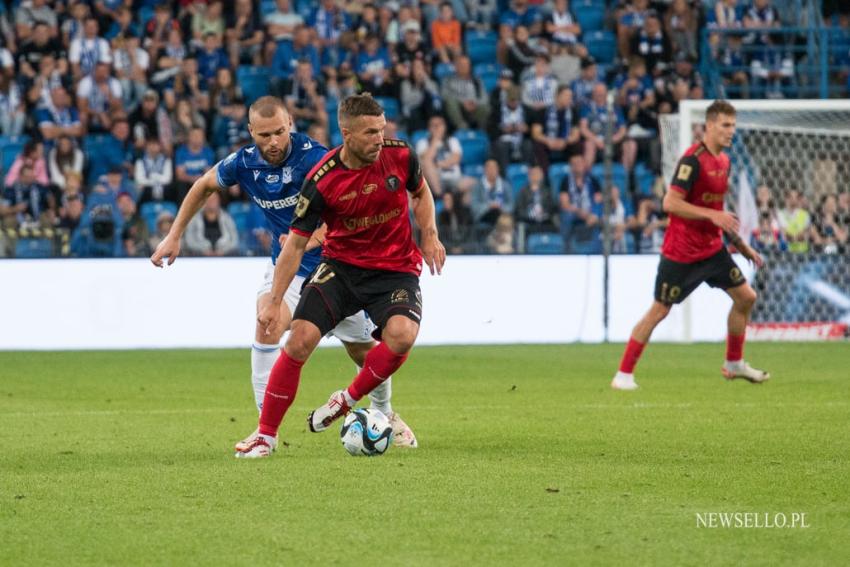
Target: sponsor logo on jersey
point(277, 203)
point(286, 173)
point(712, 197)
point(256, 174)
point(374, 220)
point(393, 183)
point(272, 178)
point(369, 188)
point(348, 196)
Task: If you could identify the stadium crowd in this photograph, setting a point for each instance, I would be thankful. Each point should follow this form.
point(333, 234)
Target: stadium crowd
point(111, 109)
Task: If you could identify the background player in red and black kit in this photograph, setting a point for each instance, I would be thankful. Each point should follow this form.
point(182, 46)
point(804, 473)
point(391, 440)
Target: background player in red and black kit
point(370, 261)
point(693, 250)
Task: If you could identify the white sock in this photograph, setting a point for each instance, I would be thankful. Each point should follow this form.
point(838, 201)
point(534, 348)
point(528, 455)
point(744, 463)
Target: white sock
point(380, 397)
point(263, 358)
point(734, 364)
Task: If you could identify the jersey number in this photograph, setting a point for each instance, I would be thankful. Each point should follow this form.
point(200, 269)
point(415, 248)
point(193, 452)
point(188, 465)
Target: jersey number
point(323, 274)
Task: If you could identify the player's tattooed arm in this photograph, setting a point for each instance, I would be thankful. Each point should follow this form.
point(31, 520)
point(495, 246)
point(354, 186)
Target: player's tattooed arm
point(317, 238)
point(745, 249)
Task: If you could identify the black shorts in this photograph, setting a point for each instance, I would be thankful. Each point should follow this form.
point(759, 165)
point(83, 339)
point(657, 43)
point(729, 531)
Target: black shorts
point(677, 280)
point(336, 290)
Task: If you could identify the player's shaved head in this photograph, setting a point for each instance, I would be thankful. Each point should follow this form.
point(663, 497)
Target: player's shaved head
point(266, 107)
point(717, 108)
point(356, 106)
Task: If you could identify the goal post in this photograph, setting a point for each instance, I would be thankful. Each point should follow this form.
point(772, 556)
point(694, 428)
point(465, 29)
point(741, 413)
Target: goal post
point(780, 146)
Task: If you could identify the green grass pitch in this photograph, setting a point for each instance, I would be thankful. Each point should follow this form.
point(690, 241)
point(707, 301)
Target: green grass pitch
point(526, 458)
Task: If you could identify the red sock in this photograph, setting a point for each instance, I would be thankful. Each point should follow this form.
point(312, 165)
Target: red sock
point(631, 356)
point(280, 393)
point(735, 347)
point(379, 365)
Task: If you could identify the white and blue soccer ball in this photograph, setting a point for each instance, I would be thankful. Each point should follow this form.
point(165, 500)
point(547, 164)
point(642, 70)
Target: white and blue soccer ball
point(366, 432)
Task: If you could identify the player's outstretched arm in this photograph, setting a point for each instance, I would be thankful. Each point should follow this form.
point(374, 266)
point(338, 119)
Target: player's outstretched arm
point(745, 249)
point(169, 248)
point(433, 251)
point(675, 204)
point(285, 269)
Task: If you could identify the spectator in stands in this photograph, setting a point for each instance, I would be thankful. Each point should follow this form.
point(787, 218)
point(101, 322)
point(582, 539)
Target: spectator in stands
point(465, 97)
point(169, 59)
point(154, 174)
point(795, 222)
point(760, 14)
point(767, 237)
point(829, 233)
point(520, 53)
point(535, 204)
point(557, 136)
point(329, 23)
point(498, 97)
point(114, 183)
point(98, 94)
point(304, 95)
point(492, 196)
point(281, 24)
point(412, 47)
point(564, 29)
point(620, 219)
point(519, 13)
point(29, 15)
point(594, 119)
point(121, 26)
point(71, 212)
point(482, 14)
point(373, 66)
point(367, 23)
point(320, 134)
point(31, 156)
point(131, 64)
point(772, 69)
point(213, 232)
point(680, 23)
point(630, 19)
point(230, 128)
point(28, 203)
point(244, 35)
point(134, 230)
point(207, 19)
point(440, 156)
point(446, 34)
point(650, 224)
point(163, 224)
point(63, 158)
point(766, 205)
point(73, 26)
point(588, 78)
point(577, 195)
point(211, 58)
point(12, 107)
point(501, 238)
point(38, 46)
point(117, 151)
point(539, 88)
point(7, 60)
point(159, 27)
point(454, 222)
point(59, 119)
point(186, 118)
point(191, 161)
point(512, 144)
point(86, 52)
point(683, 69)
point(150, 120)
point(653, 45)
point(288, 54)
point(732, 57)
point(844, 207)
point(420, 97)
point(727, 14)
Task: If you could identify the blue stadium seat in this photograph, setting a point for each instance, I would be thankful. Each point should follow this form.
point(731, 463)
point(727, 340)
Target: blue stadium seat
point(602, 45)
point(417, 135)
point(589, 15)
point(481, 46)
point(10, 148)
point(151, 210)
point(619, 176)
point(557, 172)
point(473, 170)
point(443, 70)
point(331, 105)
point(489, 79)
point(34, 248)
point(517, 176)
point(475, 146)
point(241, 213)
point(392, 109)
point(254, 82)
point(644, 179)
point(545, 243)
point(336, 138)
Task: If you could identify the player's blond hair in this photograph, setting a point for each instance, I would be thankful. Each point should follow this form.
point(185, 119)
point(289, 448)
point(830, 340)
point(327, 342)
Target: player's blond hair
point(717, 108)
point(266, 106)
point(358, 105)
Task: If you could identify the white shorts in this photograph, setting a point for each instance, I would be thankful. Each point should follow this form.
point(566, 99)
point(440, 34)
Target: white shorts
point(355, 329)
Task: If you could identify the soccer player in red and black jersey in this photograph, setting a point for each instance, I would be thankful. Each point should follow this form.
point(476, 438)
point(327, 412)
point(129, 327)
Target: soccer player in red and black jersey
point(370, 261)
point(693, 250)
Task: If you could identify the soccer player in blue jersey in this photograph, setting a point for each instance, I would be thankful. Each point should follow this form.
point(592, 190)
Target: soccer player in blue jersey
point(271, 171)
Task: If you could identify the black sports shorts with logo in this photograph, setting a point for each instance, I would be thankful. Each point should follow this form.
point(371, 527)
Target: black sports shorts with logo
point(336, 290)
point(677, 280)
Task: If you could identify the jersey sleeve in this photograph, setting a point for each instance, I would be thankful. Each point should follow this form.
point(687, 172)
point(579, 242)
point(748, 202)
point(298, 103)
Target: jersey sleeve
point(308, 210)
point(414, 172)
point(686, 174)
point(225, 173)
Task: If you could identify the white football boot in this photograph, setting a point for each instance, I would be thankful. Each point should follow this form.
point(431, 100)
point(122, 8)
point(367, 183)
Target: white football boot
point(245, 443)
point(402, 434)
point(322, 417)
point(740, 369)
point(623, 381)
point(259, 448)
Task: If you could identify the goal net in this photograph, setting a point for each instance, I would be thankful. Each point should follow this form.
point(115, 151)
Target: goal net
point(789, 186)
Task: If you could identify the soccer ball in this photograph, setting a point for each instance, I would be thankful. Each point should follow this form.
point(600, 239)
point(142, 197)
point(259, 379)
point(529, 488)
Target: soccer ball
point(366, 432)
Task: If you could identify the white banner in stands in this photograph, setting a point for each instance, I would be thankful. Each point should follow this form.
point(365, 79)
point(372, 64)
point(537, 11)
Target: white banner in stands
point(209, 303)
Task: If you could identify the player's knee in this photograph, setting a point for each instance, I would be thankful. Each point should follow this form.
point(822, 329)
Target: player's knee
point(400, 334)
point(747, 298)
point(302, 341)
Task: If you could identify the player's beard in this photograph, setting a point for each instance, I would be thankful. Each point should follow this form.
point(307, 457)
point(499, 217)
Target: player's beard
point(367, 158)
point(276, 158)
